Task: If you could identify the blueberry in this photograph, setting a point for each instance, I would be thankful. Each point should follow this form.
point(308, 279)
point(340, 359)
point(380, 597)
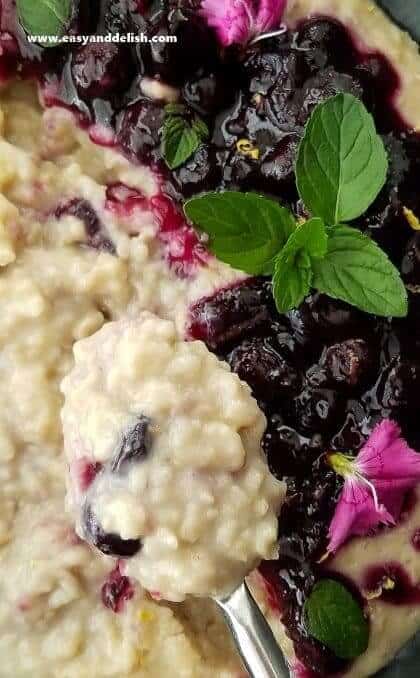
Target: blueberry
point(322, 86)
point(349, 362)
point(101, 70)
point(195, 47)
point(259, 362)
point(230, 314)
point(277, 171)
point(134, 446)
point(95, 230)
point(263, 69)
point(324, 42)
point(115, 16)
point(399, 384)
point(201, 172)
point(350, 437)
point(410, 267)
point(209, 93)
point(108, 543)
point(139, 128)
point(317, 410)
point(320, 319)
point(288, 453)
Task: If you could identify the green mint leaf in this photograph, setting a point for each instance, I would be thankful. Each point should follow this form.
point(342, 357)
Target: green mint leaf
point(335, 618)
point(246, 230)
point(292, 279)
point(181, 137)
point(357, 271)
point(200, 127)
point(179, 141)
point(310, 236)
point(45, 17)
point(342, 163)
point(174, 109)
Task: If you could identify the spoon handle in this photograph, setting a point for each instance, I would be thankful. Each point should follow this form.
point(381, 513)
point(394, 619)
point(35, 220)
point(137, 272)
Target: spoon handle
point(254, 638)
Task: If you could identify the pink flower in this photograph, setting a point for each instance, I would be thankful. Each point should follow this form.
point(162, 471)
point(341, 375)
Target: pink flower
point(376, 482)
point(238, 21)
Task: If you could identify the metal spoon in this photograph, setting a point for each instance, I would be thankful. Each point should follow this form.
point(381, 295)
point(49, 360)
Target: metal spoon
point(253, 636)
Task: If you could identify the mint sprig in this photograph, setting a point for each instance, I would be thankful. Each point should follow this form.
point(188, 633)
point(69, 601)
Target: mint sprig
point(341, 163)
point(181, 135)
point(334, 617)
point(246, 230)
point(45, 17)
point(357, 271)
point(294, 264)
point(341, 167)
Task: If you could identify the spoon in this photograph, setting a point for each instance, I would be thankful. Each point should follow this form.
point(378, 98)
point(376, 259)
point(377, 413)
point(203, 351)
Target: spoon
point(254, 639)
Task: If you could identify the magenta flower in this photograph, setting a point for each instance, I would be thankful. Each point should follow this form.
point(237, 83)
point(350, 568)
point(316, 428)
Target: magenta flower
point(239, 21)
point(376, 482)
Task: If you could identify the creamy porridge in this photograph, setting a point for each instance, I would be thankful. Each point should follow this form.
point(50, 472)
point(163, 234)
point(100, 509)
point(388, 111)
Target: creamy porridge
point(184, 489)
point(76, 252)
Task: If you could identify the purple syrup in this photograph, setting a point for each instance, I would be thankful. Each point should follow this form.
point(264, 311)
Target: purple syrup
point(393, 584)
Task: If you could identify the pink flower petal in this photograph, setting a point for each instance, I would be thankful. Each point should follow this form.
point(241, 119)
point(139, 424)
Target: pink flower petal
point(355, 514)
point(387, 460)
point(232, 19)
point(269, 15)
point(238, 21)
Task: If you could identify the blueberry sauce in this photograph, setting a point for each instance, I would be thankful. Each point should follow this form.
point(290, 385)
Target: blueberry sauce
point(324, 374)
point(117, 590)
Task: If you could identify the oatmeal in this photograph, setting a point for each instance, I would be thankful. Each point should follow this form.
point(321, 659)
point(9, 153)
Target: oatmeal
point(184, 491)
point(90, 236)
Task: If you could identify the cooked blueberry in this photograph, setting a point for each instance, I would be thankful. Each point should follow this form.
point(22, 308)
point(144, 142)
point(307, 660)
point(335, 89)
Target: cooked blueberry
point(317, 376)
point(260, 363)
point(287, 452)
point(263, 70)
point(348, 362)
point(317, 409)
point(326, 42)
point(209, 93)
point(95, 230)
point(109, 544)
point(320, 318)
point(200, 172)
point(195, 47)
point(230, 314)
point(139, 128)
point(115, 16)
point(324, 85)
point(399, 385)
point(135, 445)
point(410, 267)
point(101, 70)
point(350, 437)
point(278, 168)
